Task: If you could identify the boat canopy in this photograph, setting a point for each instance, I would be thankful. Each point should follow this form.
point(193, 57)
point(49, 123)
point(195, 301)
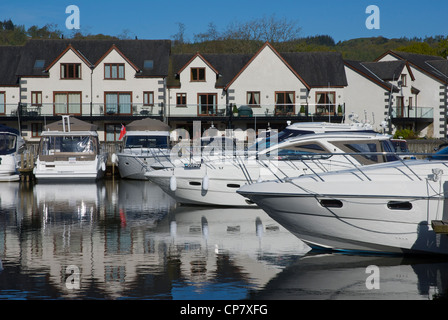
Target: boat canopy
point(4, 128)
point(147, 124)
point(75, 125)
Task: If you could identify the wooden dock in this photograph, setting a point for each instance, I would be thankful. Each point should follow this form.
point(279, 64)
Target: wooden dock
point(26, 166)
point(439, 226)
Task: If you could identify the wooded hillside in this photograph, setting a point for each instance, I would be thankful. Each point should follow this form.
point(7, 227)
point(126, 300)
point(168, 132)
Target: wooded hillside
point(248, 37)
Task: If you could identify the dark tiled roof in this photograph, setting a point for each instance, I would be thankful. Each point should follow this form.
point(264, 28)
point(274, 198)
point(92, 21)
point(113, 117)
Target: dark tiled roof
point(318, 69)
point(368, 69)
point(227, 66)
point(386, 70)
point(424, 62)
point(9, 60)
point(439, 66)
point(137, 51)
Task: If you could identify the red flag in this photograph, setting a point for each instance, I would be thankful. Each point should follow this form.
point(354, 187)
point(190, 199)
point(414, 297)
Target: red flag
point(122, 132)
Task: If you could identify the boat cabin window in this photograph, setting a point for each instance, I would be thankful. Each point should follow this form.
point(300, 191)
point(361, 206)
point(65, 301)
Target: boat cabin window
point(303, 151)
point(367, 150)
point(7, 143)
point(68, 144)
point(147, 142)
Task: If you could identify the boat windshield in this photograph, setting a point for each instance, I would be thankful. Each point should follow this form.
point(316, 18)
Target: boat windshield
point(68, 144)
point(369, 151)
point(145, 141)
point(303, 151)
point(270, 141)
point(7, 143)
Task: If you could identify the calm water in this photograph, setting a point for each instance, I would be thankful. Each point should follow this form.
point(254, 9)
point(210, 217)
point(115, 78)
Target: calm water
point(120, 239)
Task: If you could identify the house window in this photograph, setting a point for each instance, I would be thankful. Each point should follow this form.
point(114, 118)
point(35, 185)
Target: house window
point(253, 98)
point(112, 132)
point(148, 98)
point(325, 103)
point(2, 102)
point(118, 103)
point(70, 71)
point(404, 80)
point(197, 74)
point(181, 100)
point(114, 71)
point(36, 98)
point(36, 130)
point(67, 103)
point(207, 104)
point(284, 103)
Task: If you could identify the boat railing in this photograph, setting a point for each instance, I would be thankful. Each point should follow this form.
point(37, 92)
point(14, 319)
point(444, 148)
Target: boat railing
point(405, 158)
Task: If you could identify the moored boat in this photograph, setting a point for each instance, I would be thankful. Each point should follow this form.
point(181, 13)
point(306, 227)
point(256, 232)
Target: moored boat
point(12, 145)
point(383, 208)
point(69, 150)
point(145, 142)
point(215, 182)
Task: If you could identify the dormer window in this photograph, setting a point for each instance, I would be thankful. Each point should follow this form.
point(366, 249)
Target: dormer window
point(114, 71)
point(404, 80)
point(197, 74)
point(70, 71)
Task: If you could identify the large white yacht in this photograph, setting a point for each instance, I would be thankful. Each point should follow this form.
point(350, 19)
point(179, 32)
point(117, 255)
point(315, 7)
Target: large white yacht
point(398, 207)
point(12, 145)
point(215, 182)
point(69, 150)
point(146, 141)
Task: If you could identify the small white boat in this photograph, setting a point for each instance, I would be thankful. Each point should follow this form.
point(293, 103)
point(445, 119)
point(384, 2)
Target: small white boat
point(69, 150)
point(146, 142)
point(215, 182)
point(12, 146)
point(398, 207)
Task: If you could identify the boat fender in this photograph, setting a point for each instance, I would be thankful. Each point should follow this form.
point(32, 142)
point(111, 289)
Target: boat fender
point(103, 166)
point(173, 183)
point(114, 158)
point(205, 182)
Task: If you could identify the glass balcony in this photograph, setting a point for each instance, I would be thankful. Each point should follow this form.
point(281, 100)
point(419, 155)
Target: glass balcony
point(413, 112)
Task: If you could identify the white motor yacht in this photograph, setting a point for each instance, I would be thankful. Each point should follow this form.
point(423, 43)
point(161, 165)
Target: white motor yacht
point(69, 150)
point(12, 146)
point(215, 182)
point(398, 207)
point(146, 142)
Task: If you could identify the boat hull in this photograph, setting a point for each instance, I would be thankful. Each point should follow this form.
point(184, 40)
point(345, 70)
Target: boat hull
point(388, 216)
point(134, 166)
point(8, 168)
point(66, 171)
point(224, 179)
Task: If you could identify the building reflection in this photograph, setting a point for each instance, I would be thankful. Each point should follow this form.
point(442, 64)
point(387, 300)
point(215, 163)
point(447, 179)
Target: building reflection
point(130, 239)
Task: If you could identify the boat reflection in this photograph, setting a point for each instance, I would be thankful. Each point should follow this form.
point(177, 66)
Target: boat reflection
point(348, 277)
point(128, 239)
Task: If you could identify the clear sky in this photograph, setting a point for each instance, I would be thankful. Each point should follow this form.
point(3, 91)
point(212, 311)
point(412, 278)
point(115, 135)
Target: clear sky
point(157, 19)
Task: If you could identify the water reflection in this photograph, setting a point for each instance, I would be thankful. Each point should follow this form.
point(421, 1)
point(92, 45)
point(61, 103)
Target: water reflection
point(346, 277)
point(128, 239)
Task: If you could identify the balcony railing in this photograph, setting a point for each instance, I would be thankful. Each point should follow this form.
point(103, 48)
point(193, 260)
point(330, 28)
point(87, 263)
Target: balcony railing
point(264, 110)
point(413, 112)
point(77, 109)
